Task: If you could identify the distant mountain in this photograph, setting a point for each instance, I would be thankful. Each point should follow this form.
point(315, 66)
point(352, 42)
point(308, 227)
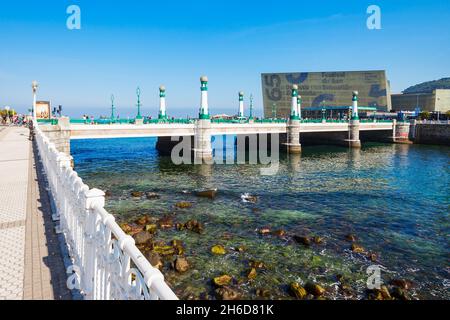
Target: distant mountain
point(429, 86)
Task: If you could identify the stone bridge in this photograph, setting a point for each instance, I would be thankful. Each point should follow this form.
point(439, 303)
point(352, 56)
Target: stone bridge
point(291, 132)
point(201, 131)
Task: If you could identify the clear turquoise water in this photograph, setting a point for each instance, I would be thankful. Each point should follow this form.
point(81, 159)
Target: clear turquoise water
point(394, 198)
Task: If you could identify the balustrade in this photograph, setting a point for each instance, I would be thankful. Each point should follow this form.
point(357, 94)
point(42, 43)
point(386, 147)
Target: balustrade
point(107, 265)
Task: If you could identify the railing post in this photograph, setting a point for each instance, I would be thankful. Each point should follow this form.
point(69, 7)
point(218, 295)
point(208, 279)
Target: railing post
point(93, 197)
point(62, 161)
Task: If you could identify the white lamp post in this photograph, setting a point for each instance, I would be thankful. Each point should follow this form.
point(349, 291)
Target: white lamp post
point(162, 102)
point(241, 105)
point(204, 112)
point(34, 86)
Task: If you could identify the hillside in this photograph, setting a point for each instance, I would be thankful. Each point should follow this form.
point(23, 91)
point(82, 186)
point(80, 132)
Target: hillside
point(429, 86)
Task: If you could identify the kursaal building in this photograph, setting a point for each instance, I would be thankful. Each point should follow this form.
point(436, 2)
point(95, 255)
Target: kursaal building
point(325, 90)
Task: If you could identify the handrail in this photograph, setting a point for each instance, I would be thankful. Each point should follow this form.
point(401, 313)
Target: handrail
point(107, 265)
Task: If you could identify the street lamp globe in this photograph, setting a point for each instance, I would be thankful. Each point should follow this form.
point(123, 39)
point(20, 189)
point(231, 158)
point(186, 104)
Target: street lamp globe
point(34, 85)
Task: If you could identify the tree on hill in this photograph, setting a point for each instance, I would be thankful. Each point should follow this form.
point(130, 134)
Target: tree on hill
point(429, 86)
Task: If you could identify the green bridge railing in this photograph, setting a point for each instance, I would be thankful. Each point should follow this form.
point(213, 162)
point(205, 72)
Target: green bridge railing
point(190, 121)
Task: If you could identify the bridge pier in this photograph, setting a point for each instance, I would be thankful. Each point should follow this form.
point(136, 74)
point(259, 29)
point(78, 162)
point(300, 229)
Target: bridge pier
point(353, 129)
point(293, 145)
point(293, 126)
point(202, 141)
point(401, 132)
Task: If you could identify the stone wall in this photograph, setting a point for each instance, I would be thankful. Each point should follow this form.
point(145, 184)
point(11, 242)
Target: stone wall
point(432, 134)
point(59, 134)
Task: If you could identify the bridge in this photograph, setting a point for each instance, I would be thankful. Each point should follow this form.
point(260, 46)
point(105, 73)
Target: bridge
point(102, 261)
point(202, 129)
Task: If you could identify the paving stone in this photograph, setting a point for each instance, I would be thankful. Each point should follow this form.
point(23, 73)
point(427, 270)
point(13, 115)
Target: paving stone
point(26, 272)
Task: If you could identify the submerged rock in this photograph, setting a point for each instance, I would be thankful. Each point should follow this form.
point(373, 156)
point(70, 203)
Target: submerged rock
point(372, 256)
point(152, 228)
point(181, 264)
point(154, 259)
point(264, 293)
point(164, 250)
point(346, 290)
point(399, 294)
point(125, 227)
point(137, 194)
point(317, 240)
point(211, 194)
point(218, 249)
point(279, 233)
point(134, 229)
point(297, 290)
point(142, 237)
point(143, 220)
point(227, 293)
point(357, 248)
point(252, 274)
point(385, 293)
point(374, 295)
point(314, 289)
point(194, 226)
point(302, 240)
point(257, 264)
point(183, 205)
point(179, 226)
point(227, 236)
point(246, 197)
point(152, 195)
point(108, 194)
point(401, 283)
point(165, 222)
point(223, 280)
point(178, 246)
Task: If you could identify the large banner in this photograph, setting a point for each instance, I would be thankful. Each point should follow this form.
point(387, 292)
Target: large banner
point(43, 110)
point(324, 89)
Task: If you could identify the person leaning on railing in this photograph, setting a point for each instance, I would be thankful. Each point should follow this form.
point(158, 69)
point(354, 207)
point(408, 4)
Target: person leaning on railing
point(31, 127)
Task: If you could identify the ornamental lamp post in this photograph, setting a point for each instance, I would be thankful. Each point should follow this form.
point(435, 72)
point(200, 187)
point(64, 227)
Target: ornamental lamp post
point(251, 107)
point(162, 103)
point(204, 112)
point(138, 94)
point(112, 108)
point(355, 115)
point(323, 111)
point(34, 86)
point(241, 105)
point(294, 102)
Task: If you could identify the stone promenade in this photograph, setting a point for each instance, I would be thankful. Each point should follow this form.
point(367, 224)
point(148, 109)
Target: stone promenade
point(31, 265)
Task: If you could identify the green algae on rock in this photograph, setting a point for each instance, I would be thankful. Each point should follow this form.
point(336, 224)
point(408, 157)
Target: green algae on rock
point(218, 249)
point(222, 280)
point(314, 289)
point(297, 290)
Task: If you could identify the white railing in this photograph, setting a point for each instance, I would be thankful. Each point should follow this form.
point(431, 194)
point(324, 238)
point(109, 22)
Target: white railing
point(106, 263)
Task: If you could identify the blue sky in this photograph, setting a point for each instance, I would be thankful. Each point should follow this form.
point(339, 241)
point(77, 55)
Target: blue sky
point(123, 44)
